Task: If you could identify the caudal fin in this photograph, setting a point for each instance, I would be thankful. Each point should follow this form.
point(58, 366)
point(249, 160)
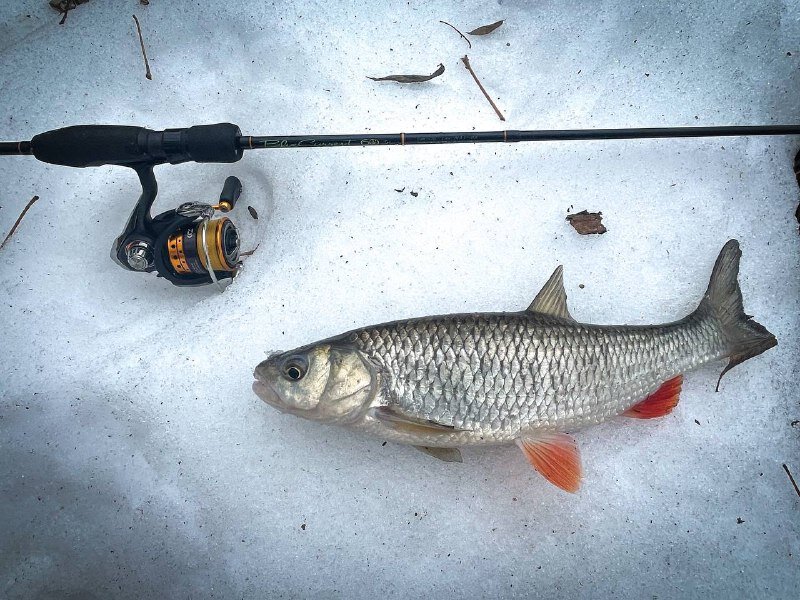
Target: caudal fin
point(723, 301)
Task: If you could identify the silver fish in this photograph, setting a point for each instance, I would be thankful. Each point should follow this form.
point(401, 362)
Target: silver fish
point(527, 377)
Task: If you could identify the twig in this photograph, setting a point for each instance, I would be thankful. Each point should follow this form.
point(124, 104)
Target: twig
point(250, 252)
point(17, 222)
point(66, 12)
point(797, 174)
point(465, 60)
point(796, 489)
point(459, 33)
point(147, 73)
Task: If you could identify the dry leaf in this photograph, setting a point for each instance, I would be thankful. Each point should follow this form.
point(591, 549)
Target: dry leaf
point(63, 6)
point(587, 223)
point(486, 29)
point(797, 174)
point(797, 167)
point(410, 78)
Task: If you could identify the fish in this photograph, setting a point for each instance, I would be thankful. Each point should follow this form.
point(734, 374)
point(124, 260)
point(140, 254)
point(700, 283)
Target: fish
point(530, 378)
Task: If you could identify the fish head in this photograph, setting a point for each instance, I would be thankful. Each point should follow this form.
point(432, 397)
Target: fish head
point(326, 382)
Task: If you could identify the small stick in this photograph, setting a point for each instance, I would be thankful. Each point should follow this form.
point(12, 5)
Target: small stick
point(796, 489)
point(459, 33)
point(19, 219)
point(147, 74)
point(66, 12)
point(797, 174)
point(465, 60)
point(250, 252)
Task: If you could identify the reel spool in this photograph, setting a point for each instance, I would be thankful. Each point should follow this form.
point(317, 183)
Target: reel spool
point(214, 242)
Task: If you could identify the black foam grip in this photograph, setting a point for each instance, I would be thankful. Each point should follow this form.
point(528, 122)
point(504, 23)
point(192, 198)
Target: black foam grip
point(89, 145)
point(94, 145)
point(214, 143)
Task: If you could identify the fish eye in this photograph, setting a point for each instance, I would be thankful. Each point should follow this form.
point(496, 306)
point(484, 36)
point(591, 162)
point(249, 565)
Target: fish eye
point(294, 369)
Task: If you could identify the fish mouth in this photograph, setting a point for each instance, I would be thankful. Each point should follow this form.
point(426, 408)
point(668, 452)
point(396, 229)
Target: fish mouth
point(264, 391)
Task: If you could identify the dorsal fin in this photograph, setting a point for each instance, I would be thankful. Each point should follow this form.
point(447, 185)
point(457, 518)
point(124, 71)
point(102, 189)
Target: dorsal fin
point(552, 298)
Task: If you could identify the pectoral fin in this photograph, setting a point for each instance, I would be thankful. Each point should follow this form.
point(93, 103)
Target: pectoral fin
point(396, 419)
point(445, 454)
point(556, 457)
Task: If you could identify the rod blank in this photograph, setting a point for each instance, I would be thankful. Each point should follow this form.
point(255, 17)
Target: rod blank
point(246, 142)
point(12, 148)
point(536, 135)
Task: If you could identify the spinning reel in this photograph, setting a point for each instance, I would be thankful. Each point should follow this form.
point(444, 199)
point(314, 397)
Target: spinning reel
point(186, 245)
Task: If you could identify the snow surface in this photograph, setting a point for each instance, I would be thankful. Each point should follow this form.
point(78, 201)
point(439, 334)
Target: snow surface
point(136, 462)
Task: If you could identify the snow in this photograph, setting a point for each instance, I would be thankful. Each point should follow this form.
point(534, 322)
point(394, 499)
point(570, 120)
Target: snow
point(135, 461)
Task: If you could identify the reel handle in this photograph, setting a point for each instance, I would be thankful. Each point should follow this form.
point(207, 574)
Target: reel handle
point(96, 145)
point(231, 191)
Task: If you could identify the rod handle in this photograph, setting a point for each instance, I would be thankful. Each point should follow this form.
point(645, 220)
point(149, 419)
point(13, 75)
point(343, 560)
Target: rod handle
point(95, 145)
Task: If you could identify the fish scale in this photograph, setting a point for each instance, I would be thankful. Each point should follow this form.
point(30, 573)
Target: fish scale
point(499, 374)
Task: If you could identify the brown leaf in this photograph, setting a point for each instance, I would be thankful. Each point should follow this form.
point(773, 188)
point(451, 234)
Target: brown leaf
point(587, 223)
point(797, 174)
point(410, 78)
point(63, 6)
point(486, 29)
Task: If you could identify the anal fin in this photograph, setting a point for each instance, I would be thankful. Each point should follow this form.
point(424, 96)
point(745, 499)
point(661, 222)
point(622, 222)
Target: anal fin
point(444, 454)
point(659, 403)
point(556, 457)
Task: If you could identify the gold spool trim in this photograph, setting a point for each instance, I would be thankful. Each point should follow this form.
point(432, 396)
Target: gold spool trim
point(212, 240)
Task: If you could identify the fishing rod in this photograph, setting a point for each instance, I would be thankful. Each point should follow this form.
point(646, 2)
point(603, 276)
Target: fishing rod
point(186, 245)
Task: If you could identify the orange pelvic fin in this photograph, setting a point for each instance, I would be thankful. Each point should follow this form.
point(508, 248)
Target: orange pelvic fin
point(659, 403)
point(556, 457)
